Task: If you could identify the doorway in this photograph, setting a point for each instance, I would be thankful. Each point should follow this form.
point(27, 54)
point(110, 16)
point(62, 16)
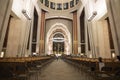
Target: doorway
point(58, 44)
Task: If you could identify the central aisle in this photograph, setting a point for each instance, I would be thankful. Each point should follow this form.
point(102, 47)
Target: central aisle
point(59, 70)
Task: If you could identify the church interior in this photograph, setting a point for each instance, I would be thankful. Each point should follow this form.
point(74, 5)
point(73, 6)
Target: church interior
point(60, 40)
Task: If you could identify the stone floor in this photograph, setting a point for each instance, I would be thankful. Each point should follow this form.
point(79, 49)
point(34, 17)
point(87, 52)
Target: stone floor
point(59, 70)
point(56, 70)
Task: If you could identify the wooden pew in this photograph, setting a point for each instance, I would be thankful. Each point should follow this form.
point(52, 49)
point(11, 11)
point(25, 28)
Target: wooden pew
point(19, 67)
point(92, 65)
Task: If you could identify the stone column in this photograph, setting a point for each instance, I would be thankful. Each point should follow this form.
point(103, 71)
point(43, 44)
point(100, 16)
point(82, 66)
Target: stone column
point(42, 32)
point(74, 2)
point(68, 5)
point(92, 45)
point(75, 33)
point(113, 7)
point(15, 38)
point(44, 2)
point(103, 39)
point(5, 6)
point(49, 4)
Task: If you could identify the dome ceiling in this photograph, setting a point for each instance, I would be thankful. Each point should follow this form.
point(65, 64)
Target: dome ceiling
point(60, 1)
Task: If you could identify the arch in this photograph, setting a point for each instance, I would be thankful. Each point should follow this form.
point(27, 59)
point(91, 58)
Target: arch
point(62, 29)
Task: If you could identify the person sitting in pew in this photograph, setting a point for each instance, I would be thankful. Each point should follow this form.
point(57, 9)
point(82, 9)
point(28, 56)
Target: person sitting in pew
point(102, 68)
point(118, 58)
point(101, 63)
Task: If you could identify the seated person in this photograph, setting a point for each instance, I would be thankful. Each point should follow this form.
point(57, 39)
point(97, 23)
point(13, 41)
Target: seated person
point(101, 64)
point(118, 58)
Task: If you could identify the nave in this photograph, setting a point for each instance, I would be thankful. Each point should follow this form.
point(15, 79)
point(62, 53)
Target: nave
point(34, 32)
point(60, 70)
point(46, 69)
point(64, 68)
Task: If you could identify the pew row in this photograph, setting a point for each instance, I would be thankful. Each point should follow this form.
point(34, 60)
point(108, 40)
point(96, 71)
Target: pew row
point(21, 68)
point(111, 70)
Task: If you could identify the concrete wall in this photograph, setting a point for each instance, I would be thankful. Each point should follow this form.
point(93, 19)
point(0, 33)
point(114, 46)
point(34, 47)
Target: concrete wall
point(20, 27)
point(97, 28)
point(114, 11)
point(5, 6)
point(101, 38)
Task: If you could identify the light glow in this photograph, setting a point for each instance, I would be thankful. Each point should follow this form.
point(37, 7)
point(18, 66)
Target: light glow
point(90, 56)
point(34, 53)
point(113, 55)
point(2, 54)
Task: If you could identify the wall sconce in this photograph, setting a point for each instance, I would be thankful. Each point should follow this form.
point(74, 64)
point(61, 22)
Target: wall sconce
point(2, 54)
point(113, 55)
point(93, 15)
point(26, 14)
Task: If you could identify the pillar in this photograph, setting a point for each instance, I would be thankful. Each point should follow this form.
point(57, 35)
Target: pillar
point(42, 32)
point(5, 6)
point(113, 13)
point(75, 33)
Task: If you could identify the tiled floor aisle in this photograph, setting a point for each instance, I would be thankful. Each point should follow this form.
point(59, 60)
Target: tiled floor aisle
point(59, 70)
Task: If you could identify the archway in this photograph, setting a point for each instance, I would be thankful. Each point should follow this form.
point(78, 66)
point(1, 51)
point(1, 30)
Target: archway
point(59, 36)
point(58, 43)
